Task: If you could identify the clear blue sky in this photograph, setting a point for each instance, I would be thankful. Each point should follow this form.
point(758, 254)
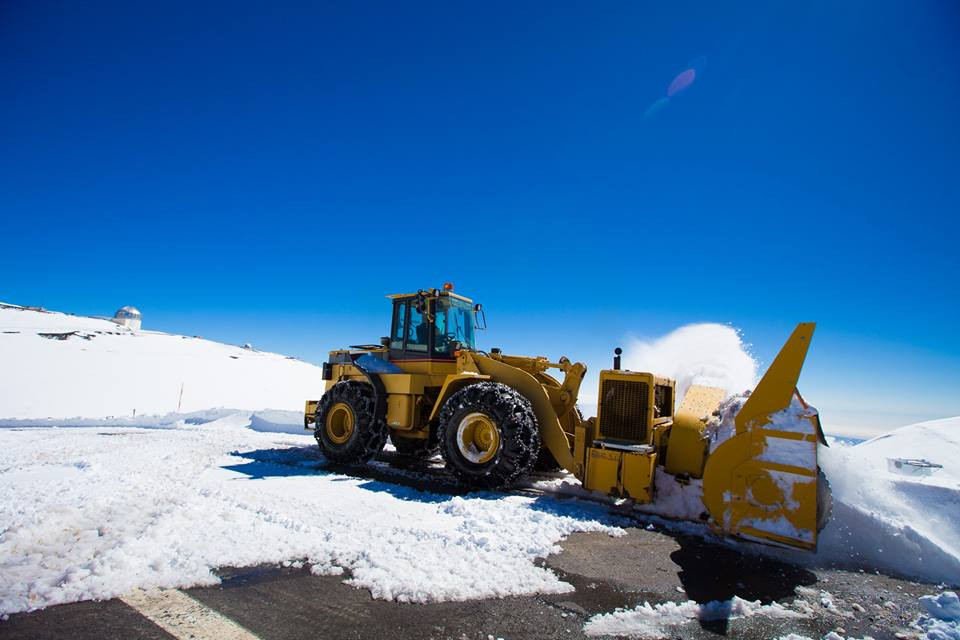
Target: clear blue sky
point(266, 174)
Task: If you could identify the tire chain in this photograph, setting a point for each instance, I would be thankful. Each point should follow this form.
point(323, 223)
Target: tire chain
point(371, 430)
point(519, 433)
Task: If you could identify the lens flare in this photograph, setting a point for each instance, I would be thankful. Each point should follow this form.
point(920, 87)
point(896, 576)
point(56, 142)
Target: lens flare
point(683, 80)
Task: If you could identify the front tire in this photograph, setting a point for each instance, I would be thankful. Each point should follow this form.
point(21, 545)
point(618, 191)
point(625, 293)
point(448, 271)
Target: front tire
point(488, 435)
point(348, 429)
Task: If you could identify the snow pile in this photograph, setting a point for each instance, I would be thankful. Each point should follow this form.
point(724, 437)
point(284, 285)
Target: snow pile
point(706, 354)
point(942, 621)
point(833, 635)
point(899, 524)
point(663, 620)
point(62, 366)
point(94, 513)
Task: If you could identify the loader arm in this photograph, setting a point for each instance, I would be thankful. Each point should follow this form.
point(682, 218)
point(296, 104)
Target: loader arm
point(551, 432)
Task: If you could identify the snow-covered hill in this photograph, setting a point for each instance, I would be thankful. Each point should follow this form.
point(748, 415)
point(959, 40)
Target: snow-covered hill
point(55, 365)
point(890, 519)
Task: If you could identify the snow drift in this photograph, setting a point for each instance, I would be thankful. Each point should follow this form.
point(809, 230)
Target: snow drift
point(901, 524)
point(59, 366)
point(94, 513)
point(662, 620)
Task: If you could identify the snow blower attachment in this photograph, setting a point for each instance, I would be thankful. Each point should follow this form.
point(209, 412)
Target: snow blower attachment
point(495, 417)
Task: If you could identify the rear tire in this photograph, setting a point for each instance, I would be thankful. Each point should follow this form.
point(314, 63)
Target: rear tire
point(348, 429)
point(488, 435)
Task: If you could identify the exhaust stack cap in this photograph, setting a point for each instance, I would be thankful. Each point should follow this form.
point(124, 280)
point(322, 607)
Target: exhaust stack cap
point(616, 358)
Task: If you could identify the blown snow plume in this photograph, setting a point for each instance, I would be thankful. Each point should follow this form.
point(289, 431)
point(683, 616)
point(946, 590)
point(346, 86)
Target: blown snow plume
point(708, 354)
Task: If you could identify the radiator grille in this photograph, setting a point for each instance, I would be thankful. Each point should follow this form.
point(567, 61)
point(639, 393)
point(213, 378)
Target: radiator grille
point(623, 410)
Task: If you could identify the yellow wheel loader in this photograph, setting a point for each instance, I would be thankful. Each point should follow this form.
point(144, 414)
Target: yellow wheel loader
point(494, 417)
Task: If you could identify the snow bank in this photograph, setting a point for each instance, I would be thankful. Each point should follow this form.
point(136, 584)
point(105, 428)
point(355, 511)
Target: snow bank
point(941, 622)
point(60, 366)
point(900, 524)
point(95, 513)
point(707, 354)
point(664, 620)
point(942, 619)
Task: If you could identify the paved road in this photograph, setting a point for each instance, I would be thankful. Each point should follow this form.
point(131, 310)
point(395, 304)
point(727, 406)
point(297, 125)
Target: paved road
point(645, 565)
point(287, 604)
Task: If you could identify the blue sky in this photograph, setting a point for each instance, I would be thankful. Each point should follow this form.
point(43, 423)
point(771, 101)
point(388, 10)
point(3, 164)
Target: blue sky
point(268, 173)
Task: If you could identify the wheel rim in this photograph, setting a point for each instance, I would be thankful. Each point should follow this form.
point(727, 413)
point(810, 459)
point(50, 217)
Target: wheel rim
point(340, 423)
point(478, 438)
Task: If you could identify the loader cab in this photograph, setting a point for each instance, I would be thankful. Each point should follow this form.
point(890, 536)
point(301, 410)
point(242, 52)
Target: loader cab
point(431, 325)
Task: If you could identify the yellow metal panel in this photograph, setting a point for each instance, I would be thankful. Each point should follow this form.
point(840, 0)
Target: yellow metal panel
point(451, 385)
point(636, 476)
point(751, 490)
point(632, 377)
point(431, 367)
point(661, 436)
point(775, 390)
point(310, 413)
point(603, 471)
point(409, 383)
point(400, 410)
point(700, 402)
point(687, 447)
point(583, 434)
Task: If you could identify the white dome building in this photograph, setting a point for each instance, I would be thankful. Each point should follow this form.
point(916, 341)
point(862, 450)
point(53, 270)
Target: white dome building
point(128, 317)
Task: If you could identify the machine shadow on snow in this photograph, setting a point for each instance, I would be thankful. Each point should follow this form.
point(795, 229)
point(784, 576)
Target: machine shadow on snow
point(708, 571)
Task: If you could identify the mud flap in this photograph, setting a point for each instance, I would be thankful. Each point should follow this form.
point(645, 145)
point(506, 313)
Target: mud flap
point(761, 483)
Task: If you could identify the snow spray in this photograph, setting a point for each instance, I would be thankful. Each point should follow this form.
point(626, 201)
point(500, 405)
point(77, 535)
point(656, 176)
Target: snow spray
point(707, 354)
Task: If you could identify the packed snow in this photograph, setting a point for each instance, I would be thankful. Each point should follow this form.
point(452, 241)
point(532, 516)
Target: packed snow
point(94, 506)
point(940, 621)
point(57, 365)
point(667, 619)
point(95, 512)
point(941, 618)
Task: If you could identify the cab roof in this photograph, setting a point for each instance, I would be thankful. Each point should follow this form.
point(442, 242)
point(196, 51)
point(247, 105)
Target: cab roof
point(432, 292)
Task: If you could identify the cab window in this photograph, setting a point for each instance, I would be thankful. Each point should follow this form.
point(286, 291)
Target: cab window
point(399, 325)
point(418, 330)
point(454, 324)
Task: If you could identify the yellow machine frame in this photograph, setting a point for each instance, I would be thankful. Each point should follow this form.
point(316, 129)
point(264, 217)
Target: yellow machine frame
point(742, 493)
